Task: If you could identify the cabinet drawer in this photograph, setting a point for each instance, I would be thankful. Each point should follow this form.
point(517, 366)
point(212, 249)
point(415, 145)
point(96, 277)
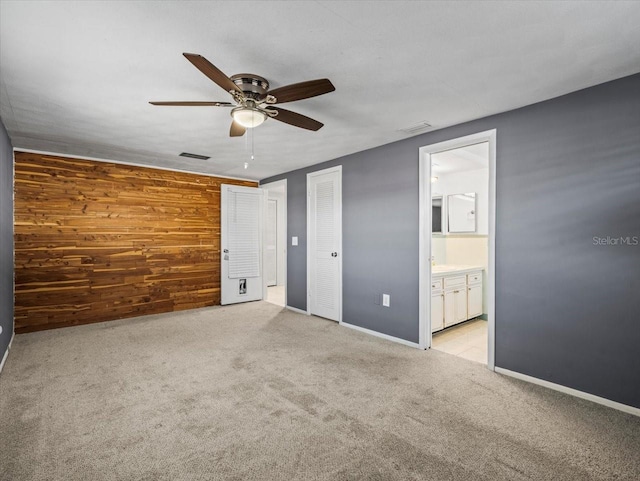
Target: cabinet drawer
point(474, 278)
point(436, 284)
point(455, 281)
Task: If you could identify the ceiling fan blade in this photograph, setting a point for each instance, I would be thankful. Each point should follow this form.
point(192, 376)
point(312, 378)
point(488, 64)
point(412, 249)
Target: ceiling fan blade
point(302, 90)
point(237, 130)
point(212, 72)
point(194, 104)
point(297, 120)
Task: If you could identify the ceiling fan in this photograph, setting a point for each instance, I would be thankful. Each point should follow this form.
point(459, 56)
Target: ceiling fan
point(254, 102)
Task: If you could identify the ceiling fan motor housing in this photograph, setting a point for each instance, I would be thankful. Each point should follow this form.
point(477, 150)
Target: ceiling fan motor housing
point(253, 86)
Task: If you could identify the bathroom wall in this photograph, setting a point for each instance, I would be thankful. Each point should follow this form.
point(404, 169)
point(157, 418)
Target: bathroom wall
point(462, 182)
point(467, 250)
point(460, 249)
point(464, 249)
point(439, 249)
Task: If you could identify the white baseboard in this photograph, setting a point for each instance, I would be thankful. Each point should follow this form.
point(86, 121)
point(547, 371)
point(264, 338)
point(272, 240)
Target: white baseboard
point(299, 311)
point(573, 392)
point(362, 329)
point(379, 334)
point(6, 353)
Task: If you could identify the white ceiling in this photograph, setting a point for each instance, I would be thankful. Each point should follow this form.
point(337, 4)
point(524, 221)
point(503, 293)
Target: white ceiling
point(471, 157)
point(76, 76)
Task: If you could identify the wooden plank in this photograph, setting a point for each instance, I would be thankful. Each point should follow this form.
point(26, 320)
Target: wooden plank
point(97, 241)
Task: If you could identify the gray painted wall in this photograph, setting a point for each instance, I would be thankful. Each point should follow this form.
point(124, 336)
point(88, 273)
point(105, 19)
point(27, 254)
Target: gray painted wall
point(568, 170)
point(6, 240)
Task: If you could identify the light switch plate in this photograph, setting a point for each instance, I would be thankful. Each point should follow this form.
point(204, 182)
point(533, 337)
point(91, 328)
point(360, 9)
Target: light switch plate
point(294, 240)
point(386, 300)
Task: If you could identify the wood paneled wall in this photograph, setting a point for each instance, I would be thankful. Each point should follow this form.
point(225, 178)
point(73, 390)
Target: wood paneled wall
point(97, 241)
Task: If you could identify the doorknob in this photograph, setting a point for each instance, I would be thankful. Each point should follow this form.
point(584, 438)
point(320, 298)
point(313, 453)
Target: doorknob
point(334, 254)
point(226, 251)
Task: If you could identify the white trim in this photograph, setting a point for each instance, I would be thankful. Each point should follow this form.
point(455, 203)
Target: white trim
point(336, 168)
point(295, 309)
point(6, 353)
point(424, 170)
point(424, 275)
point(132, 164)
point(491, 275)
point(380, 335)
point(277, 183)
point(572, 392)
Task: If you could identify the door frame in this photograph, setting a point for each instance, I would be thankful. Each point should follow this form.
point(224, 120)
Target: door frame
point(310, 175)
point(285, 253)
point(424, 282)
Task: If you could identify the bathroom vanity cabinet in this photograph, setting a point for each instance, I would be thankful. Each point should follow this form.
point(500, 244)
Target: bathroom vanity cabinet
point(437, 305)
point(456, 295)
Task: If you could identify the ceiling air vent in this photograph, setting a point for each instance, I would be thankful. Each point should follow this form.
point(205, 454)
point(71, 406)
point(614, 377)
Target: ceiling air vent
point(416, 128)
point(194, 156)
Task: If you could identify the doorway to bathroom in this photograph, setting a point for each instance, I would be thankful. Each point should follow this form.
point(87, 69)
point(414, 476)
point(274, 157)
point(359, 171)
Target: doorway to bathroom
point(457, 247)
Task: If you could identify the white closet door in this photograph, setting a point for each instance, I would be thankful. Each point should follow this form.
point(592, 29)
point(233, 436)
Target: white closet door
point(271, 244)
point(242, 217)
point(325, 243)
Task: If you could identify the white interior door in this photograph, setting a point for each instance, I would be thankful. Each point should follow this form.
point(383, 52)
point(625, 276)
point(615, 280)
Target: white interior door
point(324, 255)
point(271, 244)
point(242, 220)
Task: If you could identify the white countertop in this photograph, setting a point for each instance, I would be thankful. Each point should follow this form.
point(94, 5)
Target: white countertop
point(445, 270)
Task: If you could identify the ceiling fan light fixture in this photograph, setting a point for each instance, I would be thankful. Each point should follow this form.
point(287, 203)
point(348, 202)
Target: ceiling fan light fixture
point(248, 117)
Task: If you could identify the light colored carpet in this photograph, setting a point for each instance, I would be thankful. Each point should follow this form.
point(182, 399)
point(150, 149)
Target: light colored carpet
point(254, 392)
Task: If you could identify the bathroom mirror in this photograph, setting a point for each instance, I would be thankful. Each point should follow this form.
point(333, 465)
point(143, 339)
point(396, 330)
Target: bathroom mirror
point(461, 210)
point(436, 214)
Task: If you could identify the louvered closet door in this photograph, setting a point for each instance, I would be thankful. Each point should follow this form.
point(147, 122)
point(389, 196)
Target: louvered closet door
point(242, 217)
point(325, 243)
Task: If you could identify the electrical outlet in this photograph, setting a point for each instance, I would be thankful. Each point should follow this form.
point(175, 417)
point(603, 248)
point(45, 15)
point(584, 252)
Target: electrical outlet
point(386, 300)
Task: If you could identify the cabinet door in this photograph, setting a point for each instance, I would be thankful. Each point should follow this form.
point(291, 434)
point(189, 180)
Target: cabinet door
point(437, 312)
point(455, 307)
point(474, 301)
point(449, 309)
point(461, 305)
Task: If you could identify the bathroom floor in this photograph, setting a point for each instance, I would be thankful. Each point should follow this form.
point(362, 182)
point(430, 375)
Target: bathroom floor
point(275, 295)
point(467, 340)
